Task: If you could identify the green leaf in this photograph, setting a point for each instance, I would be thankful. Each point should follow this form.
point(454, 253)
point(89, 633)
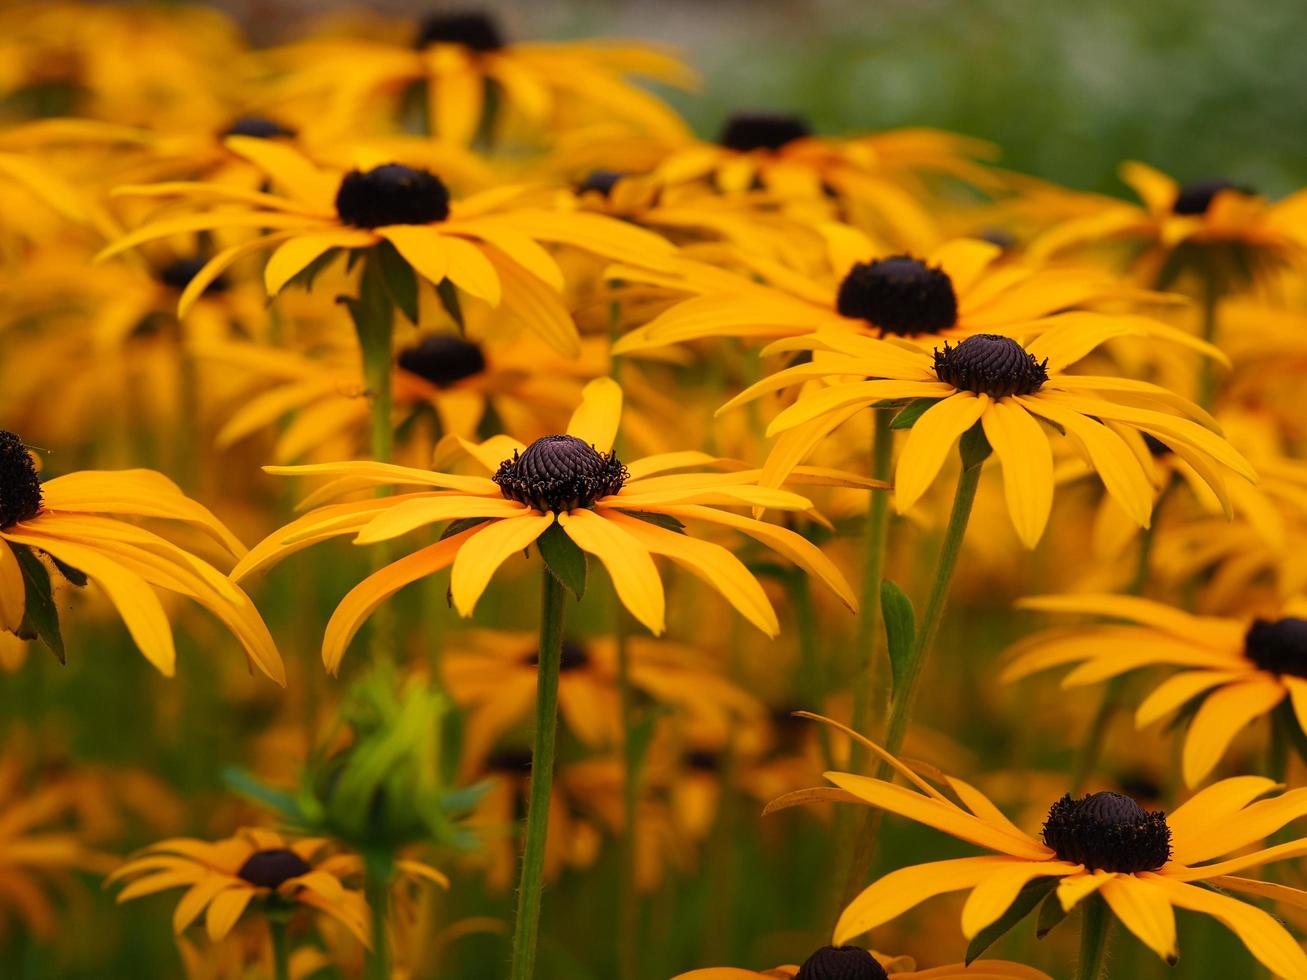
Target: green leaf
point(900, 630)
point(279, 801)
point(41, 616)
point(665, 521)
point(907, 417)
point(1051, 915)
point(1022, 906)
point(400, 279)
point(449, 300)
point(461, 525)
point(565, 560)
point(974, 447)
point(74, 575)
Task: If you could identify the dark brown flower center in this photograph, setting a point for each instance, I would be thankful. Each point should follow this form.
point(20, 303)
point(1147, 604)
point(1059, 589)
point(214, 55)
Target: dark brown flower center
point(20, 485)
point(391, 194)
point(1278, 646)
point(841, 963)
point(573, 657)
point(899, 295)
point(992, 365)
point(703, 760)
point(260, 127)
point(600, 181)
point(515, 761)
point(470, 28)
point(1108, 832)
point(442, 359)
point(1197, 197)
point(272, 868)
point(559, 473)
point(746, 131)
point(178, 275)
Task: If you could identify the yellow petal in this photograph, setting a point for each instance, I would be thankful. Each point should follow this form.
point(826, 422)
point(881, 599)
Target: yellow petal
point(471, 271)
point(1222, 716)
point(482, 555)
point(294, 256)
point(422, 247)
point(225, 910)
point(13, 592)
point(1023, 451)
point(1143, 908)
point(929, 442)
point(596, 419)
point(629, 564)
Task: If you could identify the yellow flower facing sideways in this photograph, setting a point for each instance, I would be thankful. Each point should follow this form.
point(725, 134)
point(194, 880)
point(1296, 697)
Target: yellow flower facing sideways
point(76, 521)
point(619, 513)
point(1019, 395)
point(483, 244)
point(856, 963)
point(1238, 669)
point(1144, 864)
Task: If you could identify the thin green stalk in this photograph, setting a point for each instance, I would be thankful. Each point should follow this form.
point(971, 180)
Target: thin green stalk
point(527, 925)
point(280, 948)
point(377, 868)
point(1095, 926)
point(906, 691)
point(627, 899)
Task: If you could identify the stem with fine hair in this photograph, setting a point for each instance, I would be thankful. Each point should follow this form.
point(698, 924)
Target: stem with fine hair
point(974, 451)
point(1095, 924)
point(527, 925)
point(280, 948)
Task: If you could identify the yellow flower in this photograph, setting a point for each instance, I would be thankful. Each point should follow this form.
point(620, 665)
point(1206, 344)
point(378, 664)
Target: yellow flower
point(1237, 670)
point(618, 513)
point(1004, 388)
point(856, 963)
point(75, 520)
point(483, 244)
point(1145, 864)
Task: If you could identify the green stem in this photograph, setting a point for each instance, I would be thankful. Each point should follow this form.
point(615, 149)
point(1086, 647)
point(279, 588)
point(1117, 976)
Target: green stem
point(527, 925)
point(1095, 924)
point(280, 949)
point(377, 868)
point(627, 899)
point(905, 694)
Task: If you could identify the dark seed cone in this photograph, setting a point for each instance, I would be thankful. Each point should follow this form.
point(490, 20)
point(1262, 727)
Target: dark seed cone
point(841, 963)
point(270, 869)
point(20, 485)
point(178, 275)
point(989, 364)
point(602, 181)
point(1278, 646)
point(442, 359)
point(259, 127)
point(471, 29)
point(391, 194)
point(746, 131)
point(1197, 197)
point(560, 473)
point(1108, 832)
point(702, 760)
point(899, 295)
point(513, 761)
point(573, 657)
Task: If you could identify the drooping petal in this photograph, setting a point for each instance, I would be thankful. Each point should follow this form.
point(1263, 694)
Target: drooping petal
point(481, 556)
point(13, 591)
point(1144, 909)
point(629, 564)
point(294, 256)
point(1023, 451)
point(929, 442)
point(1222, 716)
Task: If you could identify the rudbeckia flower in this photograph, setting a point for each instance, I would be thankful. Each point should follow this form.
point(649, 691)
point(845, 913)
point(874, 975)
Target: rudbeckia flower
point(75, 520)
point(483, 245)
point(856, 963)
point(1234, 670)
point(621, 514)
point(1005, 388)
point(459, 58)
point(1144, 864)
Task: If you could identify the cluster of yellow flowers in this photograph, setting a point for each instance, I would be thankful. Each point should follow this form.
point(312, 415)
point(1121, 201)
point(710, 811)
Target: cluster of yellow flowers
point(511, 319)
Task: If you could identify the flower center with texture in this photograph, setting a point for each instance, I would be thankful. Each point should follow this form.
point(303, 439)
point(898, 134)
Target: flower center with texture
point(178, 275)
point(260, 127)
point(471, 29)
point(841, 963)
point(391, 194)
point(601, 181)
point(272, 868)
point(1278, 645)
point(1196, 198)
point(559, 473)
point(746, 131)
point(442, 359)
point(989, 364)
point(899, 295)
point(573, 657)
point(20, 486)
point(1108, 832)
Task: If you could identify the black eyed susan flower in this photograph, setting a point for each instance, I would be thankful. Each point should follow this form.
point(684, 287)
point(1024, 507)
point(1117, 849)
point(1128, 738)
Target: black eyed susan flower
point(1005, 388)
point(856, 963)
point(75, 521)
point(1143, 863)
point(1235, 670)
point(484, 245)
point(616, 512)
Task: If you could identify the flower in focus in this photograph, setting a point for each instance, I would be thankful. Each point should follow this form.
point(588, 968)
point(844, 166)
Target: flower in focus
point(1233, 671)
point(74, 520)
point(856, 963)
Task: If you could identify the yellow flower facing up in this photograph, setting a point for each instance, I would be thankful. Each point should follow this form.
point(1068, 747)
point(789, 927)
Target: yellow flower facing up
point(1005, 388)
point(619, 513)
point(856, 963)
point(1237, 670)
point(223, 878)
point(76, 520)
point(1144, 864)
point(484, 245)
